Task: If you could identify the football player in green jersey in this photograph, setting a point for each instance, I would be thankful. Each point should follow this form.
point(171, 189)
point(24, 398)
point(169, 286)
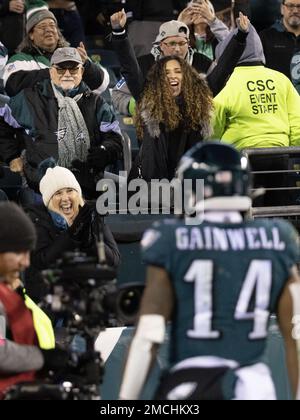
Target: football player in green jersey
point(218, 282)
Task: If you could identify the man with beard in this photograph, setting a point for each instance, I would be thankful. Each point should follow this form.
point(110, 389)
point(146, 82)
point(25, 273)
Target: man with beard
point(281, 42)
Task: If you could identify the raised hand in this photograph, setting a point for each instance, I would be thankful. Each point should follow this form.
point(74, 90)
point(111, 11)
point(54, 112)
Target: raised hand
point(186, 16)
point(118, 20)
point(16, 165)
point(243, 22)
point(204, 11)
point(16, 6)
point(82, 52)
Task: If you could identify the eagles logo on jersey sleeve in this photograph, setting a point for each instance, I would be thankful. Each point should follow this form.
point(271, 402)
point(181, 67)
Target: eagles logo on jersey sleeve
point(156, 248)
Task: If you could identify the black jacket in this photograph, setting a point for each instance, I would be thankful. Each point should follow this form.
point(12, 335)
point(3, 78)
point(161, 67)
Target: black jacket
point(52, 243)
point(12, 141)
point(11, 27)
point(157, 158)
point(279, 47)
point(93, 76)
point(36, 110)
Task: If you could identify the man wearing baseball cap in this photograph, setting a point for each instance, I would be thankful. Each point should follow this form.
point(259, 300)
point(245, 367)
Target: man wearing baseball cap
point(32, 61)
point(67, 123)
point(173, 35)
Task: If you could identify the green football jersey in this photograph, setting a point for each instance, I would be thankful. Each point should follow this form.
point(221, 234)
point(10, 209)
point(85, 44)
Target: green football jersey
point(227, 280)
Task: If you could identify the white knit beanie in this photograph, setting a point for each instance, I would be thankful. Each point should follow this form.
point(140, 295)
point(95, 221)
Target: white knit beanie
point(56, 179)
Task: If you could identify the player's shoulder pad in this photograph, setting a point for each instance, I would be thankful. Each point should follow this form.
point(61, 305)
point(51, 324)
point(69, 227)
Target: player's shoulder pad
point(286, 228)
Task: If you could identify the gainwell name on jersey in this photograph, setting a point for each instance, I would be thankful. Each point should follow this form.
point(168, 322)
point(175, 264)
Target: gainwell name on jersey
point(223, 239)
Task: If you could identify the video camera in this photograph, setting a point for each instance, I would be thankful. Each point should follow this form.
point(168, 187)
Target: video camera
point(84, 296)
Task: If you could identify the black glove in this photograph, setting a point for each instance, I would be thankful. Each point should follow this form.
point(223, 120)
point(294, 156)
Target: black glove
point(55, 359)
point(2, 173)
point(82, 223)
point(98, 158)
point(85, 177)
point(90, 367)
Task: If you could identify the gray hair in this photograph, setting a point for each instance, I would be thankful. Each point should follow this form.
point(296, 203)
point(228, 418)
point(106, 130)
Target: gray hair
point(28, 47)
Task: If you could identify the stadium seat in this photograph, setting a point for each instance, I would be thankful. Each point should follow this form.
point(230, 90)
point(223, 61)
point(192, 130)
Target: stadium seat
point(277, 171)
point(106, 58)
point(127, 126)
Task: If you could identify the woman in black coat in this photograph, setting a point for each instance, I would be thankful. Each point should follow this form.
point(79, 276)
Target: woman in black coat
point(174, 106)
point(65, 223)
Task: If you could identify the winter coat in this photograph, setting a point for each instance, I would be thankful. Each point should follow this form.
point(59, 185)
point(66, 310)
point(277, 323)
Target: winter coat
point(53, 242)
point(20, 356)
point(12, 136)
point(11, 27)
point(27, 68)
point(161, 150)
point(160, 154)
point(282, 51)
point(36, 110)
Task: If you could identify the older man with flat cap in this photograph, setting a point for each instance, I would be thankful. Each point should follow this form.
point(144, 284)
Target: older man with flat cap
point(65, 122)
point(31, 64)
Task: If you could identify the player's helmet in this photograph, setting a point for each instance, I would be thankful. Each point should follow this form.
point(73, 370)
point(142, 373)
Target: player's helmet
point(226, 175)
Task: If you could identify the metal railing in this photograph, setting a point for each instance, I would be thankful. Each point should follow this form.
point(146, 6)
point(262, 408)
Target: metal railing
point(291, 210)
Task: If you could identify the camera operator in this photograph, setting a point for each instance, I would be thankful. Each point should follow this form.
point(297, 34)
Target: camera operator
point(65, 223)
point(26, 334)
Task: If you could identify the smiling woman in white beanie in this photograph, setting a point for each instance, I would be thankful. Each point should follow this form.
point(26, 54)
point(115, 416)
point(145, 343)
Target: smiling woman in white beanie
point(64, 223)
point(61, 193)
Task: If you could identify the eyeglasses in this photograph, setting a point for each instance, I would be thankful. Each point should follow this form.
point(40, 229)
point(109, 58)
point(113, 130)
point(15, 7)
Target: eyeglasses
point(61, 71)
point(175, 44)
point(44, 28)
point(291, 6)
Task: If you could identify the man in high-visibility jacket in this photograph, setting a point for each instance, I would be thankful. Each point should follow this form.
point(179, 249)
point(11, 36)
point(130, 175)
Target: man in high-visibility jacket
point(26, 334)
point(258, 107)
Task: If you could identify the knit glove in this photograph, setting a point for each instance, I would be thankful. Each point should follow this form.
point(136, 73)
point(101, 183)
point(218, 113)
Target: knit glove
point(81, 224)
point(98, 158)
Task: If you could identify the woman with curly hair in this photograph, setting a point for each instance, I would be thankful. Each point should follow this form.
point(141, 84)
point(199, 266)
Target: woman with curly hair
point(174, 102)
point(173, 114)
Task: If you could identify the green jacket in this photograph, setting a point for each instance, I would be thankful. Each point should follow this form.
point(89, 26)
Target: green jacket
point(29, 67)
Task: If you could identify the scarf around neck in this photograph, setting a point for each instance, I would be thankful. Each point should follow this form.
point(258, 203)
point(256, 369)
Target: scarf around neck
point(72, 133)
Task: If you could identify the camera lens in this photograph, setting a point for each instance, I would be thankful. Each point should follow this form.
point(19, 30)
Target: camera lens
point(130, 301)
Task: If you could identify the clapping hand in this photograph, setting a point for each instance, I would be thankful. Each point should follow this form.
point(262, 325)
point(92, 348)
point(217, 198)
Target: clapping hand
point(16, 6)
point(82, 52)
